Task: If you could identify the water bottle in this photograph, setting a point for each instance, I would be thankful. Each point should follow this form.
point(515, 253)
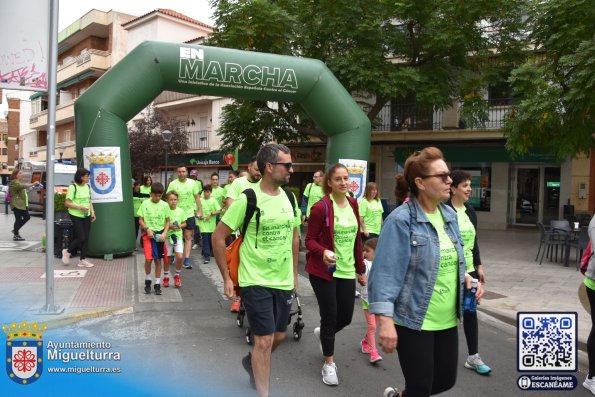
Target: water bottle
point(157, 236)
point(40, 186)
point(469, 301)
point(331, 269)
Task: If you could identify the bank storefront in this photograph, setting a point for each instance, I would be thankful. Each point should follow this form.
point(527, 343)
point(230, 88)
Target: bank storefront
point(506, 191)
point(207, 163)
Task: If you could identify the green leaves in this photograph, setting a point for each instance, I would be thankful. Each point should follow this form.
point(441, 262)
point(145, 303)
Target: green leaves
point(555, 113)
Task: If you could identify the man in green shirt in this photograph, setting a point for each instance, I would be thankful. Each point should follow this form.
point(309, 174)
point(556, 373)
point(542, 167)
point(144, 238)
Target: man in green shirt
point(244, 182)
point(268, 260)
point(189, 200)
point(217, 191)
point(313, 192)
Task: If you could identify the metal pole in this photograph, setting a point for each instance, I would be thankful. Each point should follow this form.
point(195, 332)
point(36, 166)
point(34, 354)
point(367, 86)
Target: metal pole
point(50, 307)
point(166, 147)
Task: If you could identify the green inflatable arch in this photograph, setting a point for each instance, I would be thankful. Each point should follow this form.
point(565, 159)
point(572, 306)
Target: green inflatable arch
point(102, 111)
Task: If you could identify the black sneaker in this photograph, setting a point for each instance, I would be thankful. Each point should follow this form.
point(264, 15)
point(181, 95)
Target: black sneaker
point(206, 261)
point(147, 286)
point(16, 237)
point(247, 364)
point(157, 289)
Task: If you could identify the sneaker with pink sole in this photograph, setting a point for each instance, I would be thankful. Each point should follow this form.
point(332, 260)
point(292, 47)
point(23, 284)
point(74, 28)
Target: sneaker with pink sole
point(375, 356)
point(85, 263)
point(366, 348)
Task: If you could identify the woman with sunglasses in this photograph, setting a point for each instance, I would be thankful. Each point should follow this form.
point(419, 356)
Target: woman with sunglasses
point(416, 284)
point(460, 192)
point(333, 261)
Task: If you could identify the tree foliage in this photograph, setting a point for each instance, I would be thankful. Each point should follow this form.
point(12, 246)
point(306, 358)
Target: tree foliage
point(433, 51)
point(557, 83)
point(147, 147)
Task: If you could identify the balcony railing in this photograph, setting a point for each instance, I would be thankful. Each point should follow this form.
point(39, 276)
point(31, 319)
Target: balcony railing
point(198, 140)
point(412, 117)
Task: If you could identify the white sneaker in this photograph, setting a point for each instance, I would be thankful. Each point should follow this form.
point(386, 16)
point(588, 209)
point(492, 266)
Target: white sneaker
point(317, 335)
point(357, 294)
point(65, 256)
point(589, 384)
point(85, 263)
point(329, 374)
point(391, 392)
point(195, 247)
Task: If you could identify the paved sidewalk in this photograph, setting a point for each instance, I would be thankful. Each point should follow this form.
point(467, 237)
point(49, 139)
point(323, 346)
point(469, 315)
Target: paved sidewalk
point(515, 282)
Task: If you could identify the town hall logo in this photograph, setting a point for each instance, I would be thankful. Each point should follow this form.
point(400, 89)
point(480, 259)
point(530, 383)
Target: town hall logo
point(103, 172)
point(24, 351)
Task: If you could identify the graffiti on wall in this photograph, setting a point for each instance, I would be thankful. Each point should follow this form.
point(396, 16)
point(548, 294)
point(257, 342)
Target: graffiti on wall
point(19, 67)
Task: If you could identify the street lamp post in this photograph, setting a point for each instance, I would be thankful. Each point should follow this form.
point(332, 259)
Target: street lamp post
point(166, 135)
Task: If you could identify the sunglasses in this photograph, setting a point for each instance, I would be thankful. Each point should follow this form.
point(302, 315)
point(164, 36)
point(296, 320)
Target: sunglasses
point(444, 176)
point(286, 165)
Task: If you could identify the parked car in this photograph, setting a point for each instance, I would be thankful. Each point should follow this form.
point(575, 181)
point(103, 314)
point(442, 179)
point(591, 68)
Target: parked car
point(3, 193)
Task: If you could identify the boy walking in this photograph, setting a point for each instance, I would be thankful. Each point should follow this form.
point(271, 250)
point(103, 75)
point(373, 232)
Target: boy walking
point(154, 222)
point(208, 222)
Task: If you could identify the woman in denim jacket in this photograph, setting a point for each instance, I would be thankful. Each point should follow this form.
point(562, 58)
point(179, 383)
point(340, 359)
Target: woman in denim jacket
point(416, 283)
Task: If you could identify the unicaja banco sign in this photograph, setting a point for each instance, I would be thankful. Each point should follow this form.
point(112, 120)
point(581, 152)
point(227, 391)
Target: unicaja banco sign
point(195, 69)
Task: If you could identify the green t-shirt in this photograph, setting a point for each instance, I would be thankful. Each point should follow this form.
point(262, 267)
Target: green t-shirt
point(177, 215)
point(145, 189)
point(187, 192)
point(208, 206)
point(371, 211)
point(314, 196)
point(218, 193)
point(590, 283)
point(468, 233)
point(345, 234)
point(154, 214)
point(80, 196)
point(266, 258)
point(238, 186)
point(442, 310)
point(136, 203)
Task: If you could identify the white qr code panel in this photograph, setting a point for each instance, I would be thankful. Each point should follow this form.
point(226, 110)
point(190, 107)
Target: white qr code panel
point(547, 341)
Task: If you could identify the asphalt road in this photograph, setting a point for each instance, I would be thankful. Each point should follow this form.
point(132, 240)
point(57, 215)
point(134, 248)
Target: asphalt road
point(194, 347)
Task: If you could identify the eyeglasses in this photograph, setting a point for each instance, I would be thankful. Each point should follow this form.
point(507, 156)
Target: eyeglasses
point(444, 176)
point(286, 165)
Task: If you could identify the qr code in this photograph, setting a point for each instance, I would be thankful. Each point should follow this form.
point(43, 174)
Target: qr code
point(547, 341)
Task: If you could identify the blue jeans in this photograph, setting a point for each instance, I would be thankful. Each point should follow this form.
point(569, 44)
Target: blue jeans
point(206, 245)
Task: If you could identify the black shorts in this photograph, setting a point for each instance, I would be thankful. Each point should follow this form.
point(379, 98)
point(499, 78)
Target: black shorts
point(267, 309)
point(190, 223)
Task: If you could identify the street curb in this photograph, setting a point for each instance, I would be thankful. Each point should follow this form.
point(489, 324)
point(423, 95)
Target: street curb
point(86, 315)
point(512, 321)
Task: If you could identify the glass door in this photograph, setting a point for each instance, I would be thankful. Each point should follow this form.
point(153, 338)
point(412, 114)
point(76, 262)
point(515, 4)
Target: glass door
point(527, 195)
point(551, 194)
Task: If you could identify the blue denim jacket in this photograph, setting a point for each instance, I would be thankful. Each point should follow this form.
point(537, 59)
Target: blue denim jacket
point(406, 264)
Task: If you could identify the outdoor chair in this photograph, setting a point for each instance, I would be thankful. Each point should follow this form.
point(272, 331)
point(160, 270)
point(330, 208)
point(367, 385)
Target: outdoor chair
point(580, 244)
point(549, 240)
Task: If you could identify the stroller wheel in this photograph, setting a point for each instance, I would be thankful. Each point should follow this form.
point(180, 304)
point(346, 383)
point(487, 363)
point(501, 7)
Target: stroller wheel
point(248, 336)
point(297, 335)
point(240, 320)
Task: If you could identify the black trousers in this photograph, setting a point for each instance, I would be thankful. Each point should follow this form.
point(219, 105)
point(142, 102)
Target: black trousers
point(335, 304)
point(471, 327)
point(20, 218)
point(591, 340)
point(428, 360)
point(81, 228)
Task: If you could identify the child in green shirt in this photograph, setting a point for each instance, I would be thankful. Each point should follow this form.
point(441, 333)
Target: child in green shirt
point(174, 242)
point(208, 222)
point(154, 222)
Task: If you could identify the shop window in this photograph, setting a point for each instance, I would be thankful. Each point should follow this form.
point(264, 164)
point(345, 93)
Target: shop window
point(481, 185)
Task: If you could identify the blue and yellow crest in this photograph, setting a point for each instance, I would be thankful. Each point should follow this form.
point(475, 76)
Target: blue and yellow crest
point(24, 352)
point(103, 172)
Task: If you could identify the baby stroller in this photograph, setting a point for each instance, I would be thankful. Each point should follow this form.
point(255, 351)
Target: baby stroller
point(296, 309)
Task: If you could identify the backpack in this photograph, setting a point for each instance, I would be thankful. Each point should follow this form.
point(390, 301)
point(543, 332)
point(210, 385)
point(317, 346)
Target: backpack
point(232, 251)
point(586, 258)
